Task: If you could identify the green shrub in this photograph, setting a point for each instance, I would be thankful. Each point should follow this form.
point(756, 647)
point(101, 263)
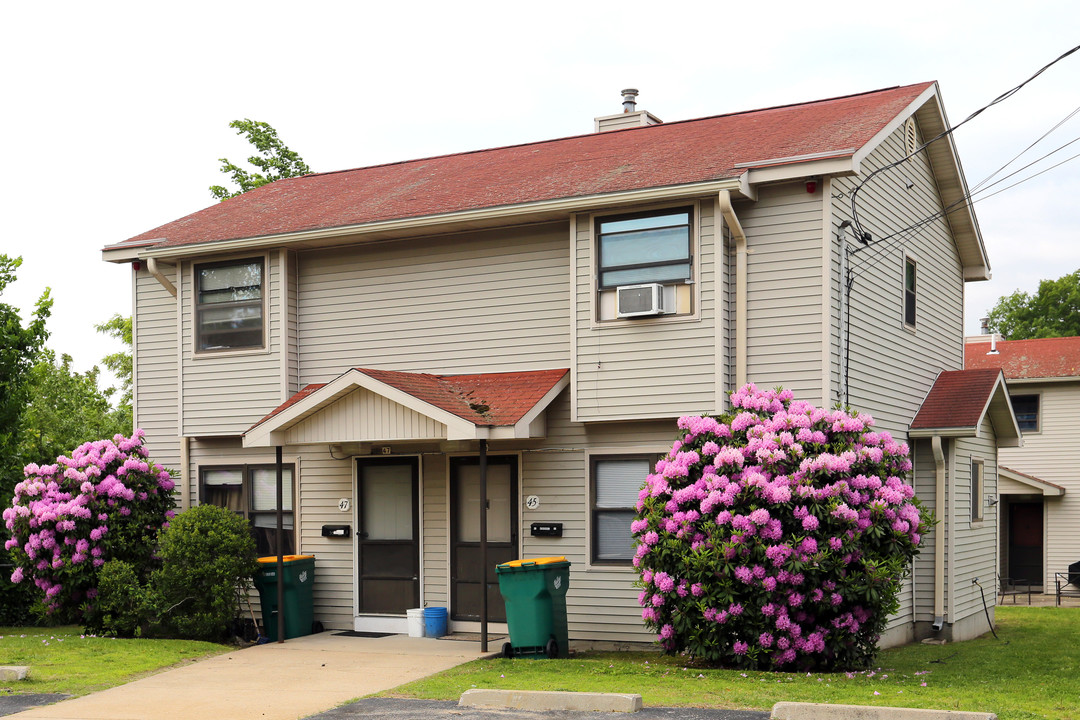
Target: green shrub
point(207, 553)
point(123, 608)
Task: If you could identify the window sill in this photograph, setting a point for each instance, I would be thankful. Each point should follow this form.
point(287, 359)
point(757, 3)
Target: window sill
point(228, 353)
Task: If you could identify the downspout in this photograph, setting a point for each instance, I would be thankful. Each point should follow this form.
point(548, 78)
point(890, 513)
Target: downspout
point(185, 480)
point(939, 540)
point(739, 236)
point(152, 268)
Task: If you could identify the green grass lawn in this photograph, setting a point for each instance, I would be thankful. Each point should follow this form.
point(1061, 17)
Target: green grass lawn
point(1033, 671)
point(64, 660)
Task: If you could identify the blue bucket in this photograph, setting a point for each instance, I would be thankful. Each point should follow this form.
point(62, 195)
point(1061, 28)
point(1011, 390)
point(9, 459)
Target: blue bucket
point(434, 622)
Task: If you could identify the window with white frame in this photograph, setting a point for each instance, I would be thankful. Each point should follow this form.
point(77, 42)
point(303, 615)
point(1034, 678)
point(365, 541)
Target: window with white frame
point(650, 247)
point(1026, 410)
point(909, 291)
point(251, 492)
point(976, 490)
point(229, 305)
point(615, 483)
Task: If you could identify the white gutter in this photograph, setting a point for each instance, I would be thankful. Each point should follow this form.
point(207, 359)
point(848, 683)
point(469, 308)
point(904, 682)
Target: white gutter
point(939, 540)
point(737, 233)
point(152, 268)
point(185, 466)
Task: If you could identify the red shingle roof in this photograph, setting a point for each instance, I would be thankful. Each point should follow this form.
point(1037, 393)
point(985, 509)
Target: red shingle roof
point(1045, 358)
point(663, 155)
point(487, 399)
point(957, 400)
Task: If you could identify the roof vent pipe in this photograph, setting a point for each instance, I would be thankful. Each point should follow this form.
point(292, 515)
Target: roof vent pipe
point(629, 100)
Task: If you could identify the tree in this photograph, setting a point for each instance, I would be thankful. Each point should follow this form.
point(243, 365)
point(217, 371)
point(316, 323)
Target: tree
point(1053, 311)
point(64, 409)
point(19, 349)
point(275, 161)
point(119, 363)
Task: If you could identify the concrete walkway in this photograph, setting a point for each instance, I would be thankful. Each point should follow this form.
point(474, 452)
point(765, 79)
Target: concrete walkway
point(301, 677)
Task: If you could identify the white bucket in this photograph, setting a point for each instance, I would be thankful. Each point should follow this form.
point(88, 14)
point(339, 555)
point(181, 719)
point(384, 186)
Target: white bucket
point(416, 622)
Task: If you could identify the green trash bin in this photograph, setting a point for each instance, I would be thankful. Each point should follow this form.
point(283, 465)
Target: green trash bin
point(299, 576)
point(535, 595)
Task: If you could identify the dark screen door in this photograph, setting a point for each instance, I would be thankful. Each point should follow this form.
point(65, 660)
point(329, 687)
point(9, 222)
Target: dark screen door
point(1026, 542)
point(465, 570)
point(388, 534)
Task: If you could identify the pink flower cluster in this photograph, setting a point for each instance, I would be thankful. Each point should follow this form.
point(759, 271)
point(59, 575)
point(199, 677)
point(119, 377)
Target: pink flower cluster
point(772, 504)
point(63, 516)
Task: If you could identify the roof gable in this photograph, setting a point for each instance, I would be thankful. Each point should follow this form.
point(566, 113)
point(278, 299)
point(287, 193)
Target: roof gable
point(414, 406)
point(1027, 359)
point(960, 400)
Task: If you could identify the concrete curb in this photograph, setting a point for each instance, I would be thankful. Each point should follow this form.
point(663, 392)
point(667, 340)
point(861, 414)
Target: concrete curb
point(551, 700)
point(9, 673)
point(819, 711)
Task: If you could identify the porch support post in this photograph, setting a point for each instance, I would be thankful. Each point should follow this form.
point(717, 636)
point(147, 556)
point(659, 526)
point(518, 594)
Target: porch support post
point(279, 534)
point(483, 549)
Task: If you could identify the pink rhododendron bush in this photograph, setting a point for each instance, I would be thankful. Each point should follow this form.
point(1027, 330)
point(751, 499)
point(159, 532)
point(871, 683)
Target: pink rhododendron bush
point(777, 536)
point(105, 502)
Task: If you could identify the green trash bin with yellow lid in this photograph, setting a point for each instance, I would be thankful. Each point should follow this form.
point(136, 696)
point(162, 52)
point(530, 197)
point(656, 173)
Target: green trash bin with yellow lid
point(298, 576)
point(535, 594)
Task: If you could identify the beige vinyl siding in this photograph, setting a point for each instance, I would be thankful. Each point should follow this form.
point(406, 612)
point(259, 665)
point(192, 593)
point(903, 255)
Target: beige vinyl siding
point(892, 367)
point(646, 368)
point(361, 415)
point(435, 521)
point(974, 549)
point(477, 302)
point(155, 392)
point(321, 482)
point(292, 351)
point(784, 270)
point(1051, 455)
point(226, 393)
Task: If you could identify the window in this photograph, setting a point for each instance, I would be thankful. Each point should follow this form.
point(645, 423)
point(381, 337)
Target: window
point(616, 481)
point(229, 305)
point(644, 248)
point(1026, 410)
point(251, 492)
point(909, 292)
point(976, 490)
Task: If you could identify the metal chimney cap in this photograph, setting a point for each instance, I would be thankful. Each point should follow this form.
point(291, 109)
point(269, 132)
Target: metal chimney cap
point(629, 99)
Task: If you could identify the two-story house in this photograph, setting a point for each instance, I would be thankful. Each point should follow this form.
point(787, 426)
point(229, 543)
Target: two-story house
point(1039, 484)
point(553, 307)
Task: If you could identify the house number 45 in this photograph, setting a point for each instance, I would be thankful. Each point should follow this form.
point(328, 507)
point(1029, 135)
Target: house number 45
point(532, 502)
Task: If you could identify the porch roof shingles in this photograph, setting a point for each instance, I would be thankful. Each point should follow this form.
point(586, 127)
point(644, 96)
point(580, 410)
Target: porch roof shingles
point(958, 399)
point(670, 154)
point(484, 399)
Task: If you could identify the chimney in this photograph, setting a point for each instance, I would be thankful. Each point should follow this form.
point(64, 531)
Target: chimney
point(984, 326)
point(629, 117)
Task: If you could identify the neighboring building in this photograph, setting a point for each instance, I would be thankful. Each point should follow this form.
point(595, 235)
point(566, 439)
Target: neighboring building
point(1039, 489)
point(559, 304)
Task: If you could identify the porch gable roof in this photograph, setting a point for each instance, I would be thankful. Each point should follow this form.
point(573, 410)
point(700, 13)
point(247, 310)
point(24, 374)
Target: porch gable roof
point(1025, 484)
point(368, 405)
point(960, 400)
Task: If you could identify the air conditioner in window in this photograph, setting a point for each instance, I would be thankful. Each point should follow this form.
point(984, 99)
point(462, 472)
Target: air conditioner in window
point(640, 300)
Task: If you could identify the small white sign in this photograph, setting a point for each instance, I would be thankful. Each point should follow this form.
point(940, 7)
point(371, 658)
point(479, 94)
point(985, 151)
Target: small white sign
point(532, 502)
point(344, 504)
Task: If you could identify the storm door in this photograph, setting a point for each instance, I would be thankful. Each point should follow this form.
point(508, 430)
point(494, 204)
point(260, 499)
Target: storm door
point(1026, 542)
point(502, 529)
point(388, 534)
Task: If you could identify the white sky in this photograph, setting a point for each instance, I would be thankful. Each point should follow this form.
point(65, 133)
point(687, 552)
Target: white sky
point(114, 114)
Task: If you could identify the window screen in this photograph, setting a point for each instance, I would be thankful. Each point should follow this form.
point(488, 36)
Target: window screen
point(616, 483)
point(229, 305)
point(644, 248)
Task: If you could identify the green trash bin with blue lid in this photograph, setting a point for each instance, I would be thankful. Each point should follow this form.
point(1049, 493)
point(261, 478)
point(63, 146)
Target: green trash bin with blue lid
point(535, 595)
point(298, 576)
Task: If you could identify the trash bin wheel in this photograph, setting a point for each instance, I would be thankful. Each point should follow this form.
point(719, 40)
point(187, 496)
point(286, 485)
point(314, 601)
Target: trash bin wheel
point(507, 650)
point(316, 627)
point(552, 649)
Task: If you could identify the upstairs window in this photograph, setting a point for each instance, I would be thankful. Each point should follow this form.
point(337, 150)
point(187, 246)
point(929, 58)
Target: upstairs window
point(644, 248)
point(616, 481)
point(1026, 410)
point(909, 292)
point(229, 305)
point(251, 492)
